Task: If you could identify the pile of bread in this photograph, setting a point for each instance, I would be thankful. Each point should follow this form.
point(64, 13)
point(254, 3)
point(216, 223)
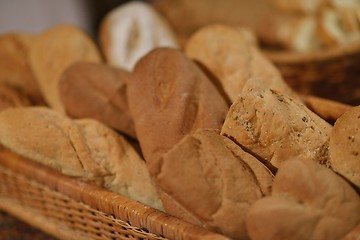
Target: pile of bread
point(307, 25)
point(209, 133)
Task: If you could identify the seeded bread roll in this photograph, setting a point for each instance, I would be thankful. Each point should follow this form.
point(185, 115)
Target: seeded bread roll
point(14, 65)
point(308, 201)
point(275, 127)
point(82, 148)
point(55, 50)
point(169, 97)
point(132, 30)
point(212, 182)
point(232, 59)
point(345, 146)
point(9, 97)
point(95, 90)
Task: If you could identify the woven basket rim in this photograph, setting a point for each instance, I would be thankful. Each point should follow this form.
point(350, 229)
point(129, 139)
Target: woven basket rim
point(114, 204)
point(322, 55)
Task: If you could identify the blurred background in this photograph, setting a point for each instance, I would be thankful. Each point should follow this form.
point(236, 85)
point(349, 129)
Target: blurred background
point(35, 16)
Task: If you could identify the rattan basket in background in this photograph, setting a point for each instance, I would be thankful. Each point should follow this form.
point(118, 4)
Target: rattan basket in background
point(332, 74)
point(68, 208)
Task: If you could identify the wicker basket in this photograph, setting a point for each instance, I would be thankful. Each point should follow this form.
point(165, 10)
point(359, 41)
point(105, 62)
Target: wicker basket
point(68, 208)
point(332, 74)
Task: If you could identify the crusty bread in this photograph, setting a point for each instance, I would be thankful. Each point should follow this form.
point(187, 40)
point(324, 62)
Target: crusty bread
point(51, 139)
point(212, 180)
point(169, 97)
point(10, 97)
point(308, 201)
point(130, 31)
point(81, 148)
point(48, 137)
point(232, 59)
point(14, 65)
point(275, 127)
point(345, 146)
point(96, 90)
point(127, 173)
point(53, 51)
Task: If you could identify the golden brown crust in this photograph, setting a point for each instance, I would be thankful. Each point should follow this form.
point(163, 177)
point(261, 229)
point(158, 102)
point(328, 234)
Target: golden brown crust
point(53, 51)
point(14, 65)
point(345, 146)
point(309, 201)
point(95, 90)
point(170, 97)
point(213, 181)
point(232, 59)
point(275, 127)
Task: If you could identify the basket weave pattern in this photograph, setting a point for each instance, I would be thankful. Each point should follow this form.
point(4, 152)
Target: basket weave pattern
point(69, 208)
point(333, 74)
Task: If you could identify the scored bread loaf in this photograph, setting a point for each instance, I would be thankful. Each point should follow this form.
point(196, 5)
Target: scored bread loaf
point(130, 31)
point(211, 182)
point(232, 59)
point(169, 96)
point(344, 146)
point(53, 51)
point(126, 172)
point(275, 127)
point(96, 90)
point(82, 148)
point(308, 201)
point(15, 67)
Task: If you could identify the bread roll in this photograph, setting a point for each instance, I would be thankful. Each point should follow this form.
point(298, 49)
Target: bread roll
point(95, 90)
point(212, 181)
point(14, 65)
point(169, 97)
point(53, 51)
point(9, 97)
point(132, 30)
point(275, 127)
point(345, 146)
point(227, 54)
point(82, 148)
point(308, 201)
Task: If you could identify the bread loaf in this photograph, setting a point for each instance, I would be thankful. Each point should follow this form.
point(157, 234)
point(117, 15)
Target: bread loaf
point(82, 148)
point(233, 60)
point(96, 90)
point(211, 181)
point(51, 139)
point(53, 51)
point(275, 127)
point(345, 146)
point(15, 67)
point(132, 30)
point(169, 97)
point(308, 201)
